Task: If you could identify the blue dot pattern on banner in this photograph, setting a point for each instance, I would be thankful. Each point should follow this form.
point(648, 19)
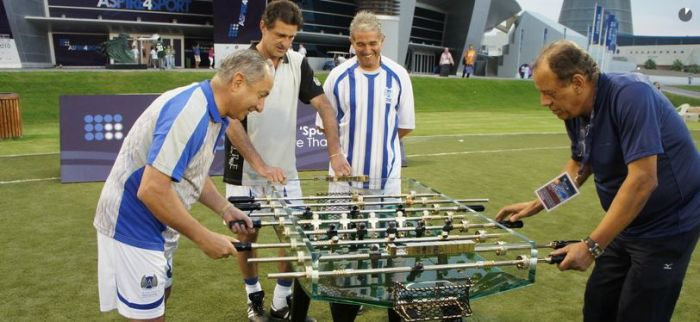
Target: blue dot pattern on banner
point(103, 127)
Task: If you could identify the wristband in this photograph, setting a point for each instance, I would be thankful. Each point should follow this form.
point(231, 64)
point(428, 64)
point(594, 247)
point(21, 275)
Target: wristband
point(335, 155)
point(593, 247)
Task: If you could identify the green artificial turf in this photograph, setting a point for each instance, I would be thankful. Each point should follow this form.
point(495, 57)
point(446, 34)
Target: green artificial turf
point(474, 139)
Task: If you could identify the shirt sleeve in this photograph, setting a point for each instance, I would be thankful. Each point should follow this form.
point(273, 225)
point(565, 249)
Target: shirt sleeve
point(310, 86)
point(636, 116)
point(406, 112)
point(177, 138)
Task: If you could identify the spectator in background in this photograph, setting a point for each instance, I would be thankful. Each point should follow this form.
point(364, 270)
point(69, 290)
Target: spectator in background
point(524, 71)
point(161, 53)
point(197, 53)
point(469, 58)
point(135, 53)
point(170, 57)
point(446, 62)
point(211, 57)
point(302, 50)
point(154, 57)
point(657, 85)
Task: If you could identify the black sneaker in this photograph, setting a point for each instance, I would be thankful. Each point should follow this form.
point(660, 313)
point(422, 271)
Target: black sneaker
point(284, 314)
point(256, 311)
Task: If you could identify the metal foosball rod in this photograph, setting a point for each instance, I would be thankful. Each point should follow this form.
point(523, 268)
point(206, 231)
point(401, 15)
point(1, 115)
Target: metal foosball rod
point(353, 196)
point(463, 227)
point(258, 206)
point(467, 208)
point(479, 237)
point(500, 248)
point(449, 217)
point(521, 262)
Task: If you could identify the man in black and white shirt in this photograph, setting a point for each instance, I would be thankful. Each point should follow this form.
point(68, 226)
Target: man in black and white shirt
point(262, 147)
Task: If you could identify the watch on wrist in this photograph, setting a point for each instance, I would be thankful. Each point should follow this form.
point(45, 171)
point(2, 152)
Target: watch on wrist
point(593, 247)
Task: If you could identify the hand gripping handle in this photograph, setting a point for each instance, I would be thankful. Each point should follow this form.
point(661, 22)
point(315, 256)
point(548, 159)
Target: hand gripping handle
point(256, 223)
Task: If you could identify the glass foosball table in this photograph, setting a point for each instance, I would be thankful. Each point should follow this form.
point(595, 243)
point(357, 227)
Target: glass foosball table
point(416, 252)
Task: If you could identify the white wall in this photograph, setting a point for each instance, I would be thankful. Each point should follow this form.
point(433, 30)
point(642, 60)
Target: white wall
point(661, 54)
point(533, 41)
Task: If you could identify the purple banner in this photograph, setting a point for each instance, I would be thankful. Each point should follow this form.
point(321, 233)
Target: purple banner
point(93, 129)
point(237, 21)
point(311, 143)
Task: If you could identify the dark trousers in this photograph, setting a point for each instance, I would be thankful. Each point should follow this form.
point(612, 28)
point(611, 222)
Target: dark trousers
point(467, 70)
point(638, 279)
point(445, 70)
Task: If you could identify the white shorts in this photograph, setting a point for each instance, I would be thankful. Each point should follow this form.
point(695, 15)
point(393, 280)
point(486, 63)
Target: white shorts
point(133, 280)
point(292, 190)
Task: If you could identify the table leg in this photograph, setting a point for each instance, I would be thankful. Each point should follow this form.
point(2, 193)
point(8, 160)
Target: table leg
point(300, 303)
point(393, 316)
point(344, 312)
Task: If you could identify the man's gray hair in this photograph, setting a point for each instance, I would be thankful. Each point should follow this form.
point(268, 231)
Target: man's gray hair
point(253, 66)
point(365, 21)
point(565, 59)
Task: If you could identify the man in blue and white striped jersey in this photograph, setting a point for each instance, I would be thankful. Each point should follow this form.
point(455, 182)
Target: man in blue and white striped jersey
point(160, 172)
point(373, 99)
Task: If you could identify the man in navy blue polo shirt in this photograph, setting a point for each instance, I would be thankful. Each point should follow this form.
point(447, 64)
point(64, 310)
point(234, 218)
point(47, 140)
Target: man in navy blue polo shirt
point(647, 175)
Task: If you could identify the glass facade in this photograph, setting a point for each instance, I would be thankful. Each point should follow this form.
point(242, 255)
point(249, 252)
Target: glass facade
point(331, 17)
point(428, 27)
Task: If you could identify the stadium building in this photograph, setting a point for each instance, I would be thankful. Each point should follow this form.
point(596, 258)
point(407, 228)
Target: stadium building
point(635, 49)
point(45, 33)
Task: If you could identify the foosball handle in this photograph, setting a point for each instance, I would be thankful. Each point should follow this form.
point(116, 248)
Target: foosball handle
point(512, 224)
point(248, 206)
point(556, 259)
point(556, 244)
point(241, 199)
point(256, 223)
point(242, 247)
point(477, 208)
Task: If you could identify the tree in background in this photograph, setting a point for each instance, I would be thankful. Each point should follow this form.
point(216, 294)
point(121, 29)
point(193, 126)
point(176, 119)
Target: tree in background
point(650, 64)
point(677, 65)
point(694, 68)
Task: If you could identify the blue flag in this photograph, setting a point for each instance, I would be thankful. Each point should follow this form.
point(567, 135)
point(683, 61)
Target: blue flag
point(597, 22)
point(611, 32)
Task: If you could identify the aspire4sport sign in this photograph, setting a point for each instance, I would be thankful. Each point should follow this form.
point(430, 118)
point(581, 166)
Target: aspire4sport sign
point(153, 5)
